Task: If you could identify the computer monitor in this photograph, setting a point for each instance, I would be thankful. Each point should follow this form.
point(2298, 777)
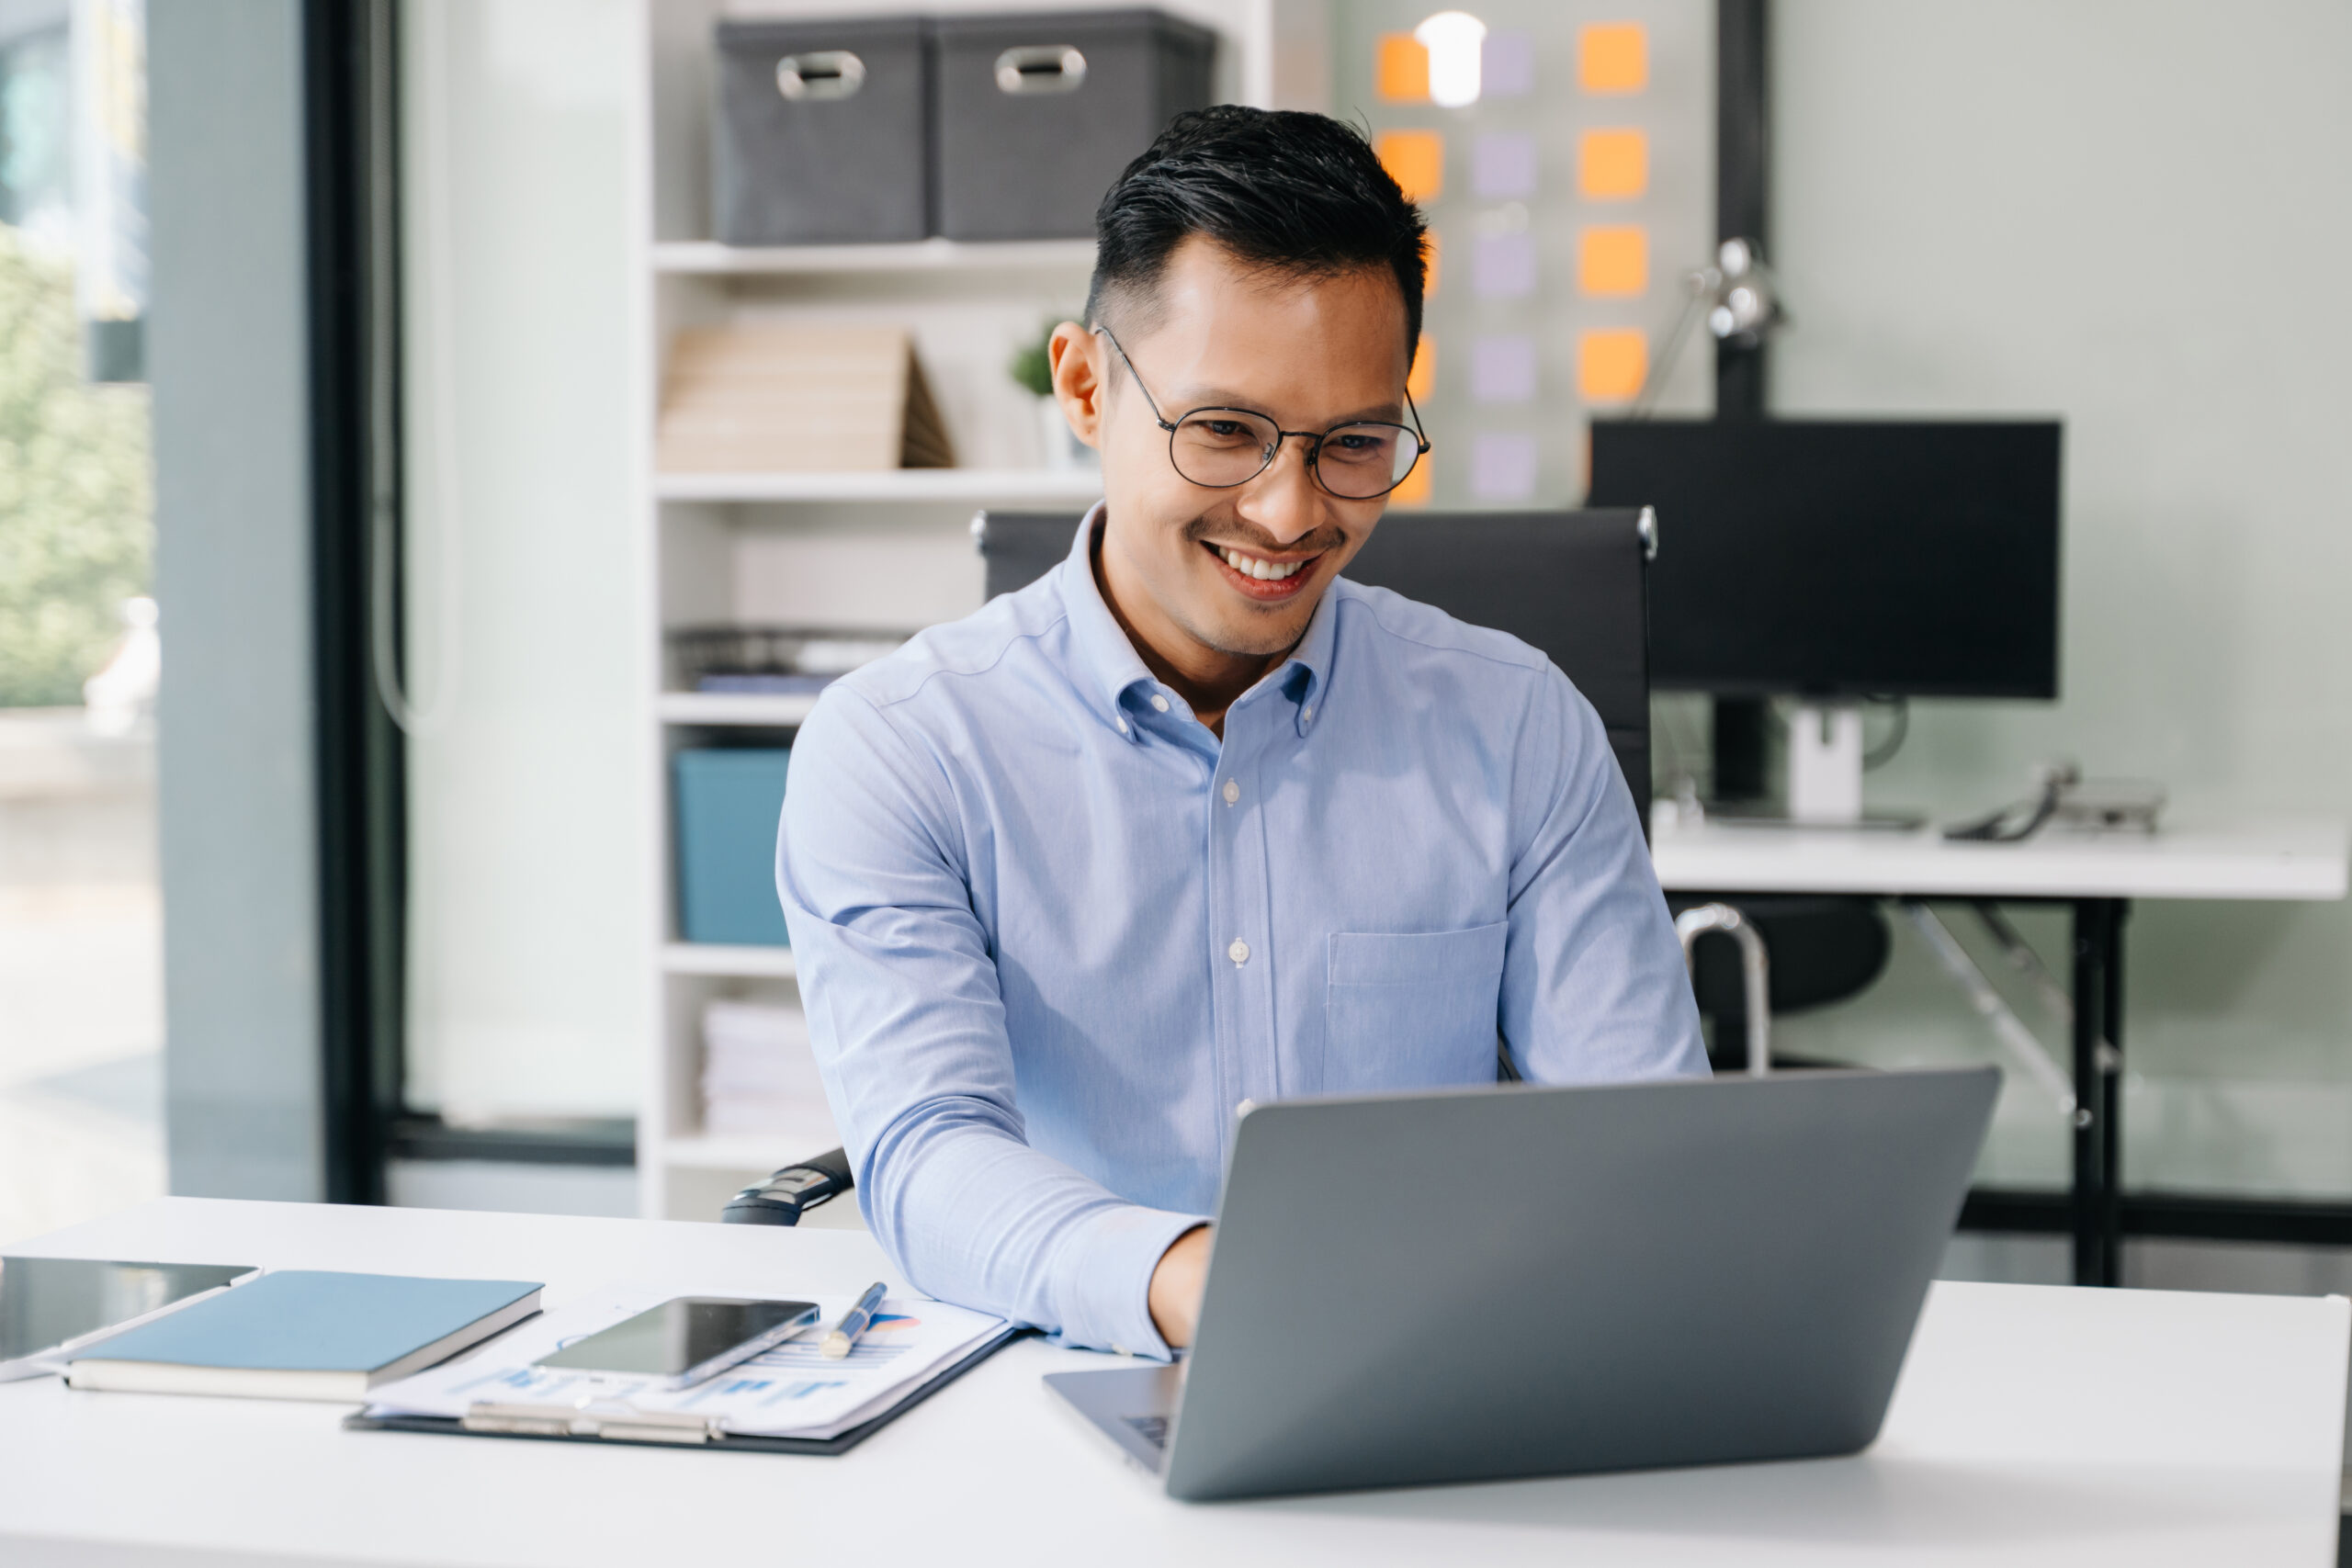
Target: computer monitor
point(1842, 558)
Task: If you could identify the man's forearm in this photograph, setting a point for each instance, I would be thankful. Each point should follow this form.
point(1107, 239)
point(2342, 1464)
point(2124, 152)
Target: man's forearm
point(1176, 1283)
point(976, 1216)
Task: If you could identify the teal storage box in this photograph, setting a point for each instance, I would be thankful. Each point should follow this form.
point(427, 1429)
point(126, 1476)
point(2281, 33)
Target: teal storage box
point(729, 803)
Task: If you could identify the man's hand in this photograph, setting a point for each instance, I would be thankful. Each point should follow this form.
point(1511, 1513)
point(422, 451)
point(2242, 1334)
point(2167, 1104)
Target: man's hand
point(1176, 1285)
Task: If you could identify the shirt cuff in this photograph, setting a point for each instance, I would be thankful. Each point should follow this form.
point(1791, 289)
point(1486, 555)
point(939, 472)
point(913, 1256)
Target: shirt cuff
point(1106, 1280)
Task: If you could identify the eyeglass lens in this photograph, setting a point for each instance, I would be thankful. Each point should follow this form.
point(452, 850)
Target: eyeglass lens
point(1222, 448)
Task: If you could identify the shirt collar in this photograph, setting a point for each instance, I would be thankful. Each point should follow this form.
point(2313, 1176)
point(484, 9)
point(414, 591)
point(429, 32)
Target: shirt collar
point(1102, 642)
point(1118, 669)
point(1313, 655)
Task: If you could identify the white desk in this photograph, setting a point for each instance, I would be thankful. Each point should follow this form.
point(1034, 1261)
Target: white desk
point(2031, 1426)
point(2278, 860)
point(2097, 874)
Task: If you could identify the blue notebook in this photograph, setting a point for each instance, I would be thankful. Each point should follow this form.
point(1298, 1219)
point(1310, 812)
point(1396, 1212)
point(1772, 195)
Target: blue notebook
point(300, 1333)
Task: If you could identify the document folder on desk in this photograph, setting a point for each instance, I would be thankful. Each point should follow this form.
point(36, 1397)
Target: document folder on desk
point(786, 1399)
point(673, 1431)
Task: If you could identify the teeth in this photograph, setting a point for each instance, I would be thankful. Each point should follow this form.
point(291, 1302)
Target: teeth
point(1263, 570)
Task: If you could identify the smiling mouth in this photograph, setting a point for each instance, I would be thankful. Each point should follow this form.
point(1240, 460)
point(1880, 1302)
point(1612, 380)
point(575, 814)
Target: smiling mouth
point(1261, 577)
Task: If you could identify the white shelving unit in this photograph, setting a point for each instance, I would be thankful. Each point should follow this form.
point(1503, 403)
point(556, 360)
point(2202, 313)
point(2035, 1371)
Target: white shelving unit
point(717, 958)
point(734, 1155)
point(974, 487)
point(708, 256)
point(783, 711)
point(889, 550)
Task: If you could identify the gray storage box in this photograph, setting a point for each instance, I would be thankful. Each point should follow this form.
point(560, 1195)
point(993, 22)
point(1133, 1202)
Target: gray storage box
point(819, 131)
point(1035, 114)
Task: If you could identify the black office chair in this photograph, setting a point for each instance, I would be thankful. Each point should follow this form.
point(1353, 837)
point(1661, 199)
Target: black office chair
point(1575, 587)
point(1577, 591)
point(1824, 949)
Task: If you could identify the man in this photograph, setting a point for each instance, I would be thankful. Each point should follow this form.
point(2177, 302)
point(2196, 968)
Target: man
point(1189, 821)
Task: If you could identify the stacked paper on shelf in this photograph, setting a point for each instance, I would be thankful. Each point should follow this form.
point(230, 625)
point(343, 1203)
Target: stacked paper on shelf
point(790, 1391)
point(757, 1075)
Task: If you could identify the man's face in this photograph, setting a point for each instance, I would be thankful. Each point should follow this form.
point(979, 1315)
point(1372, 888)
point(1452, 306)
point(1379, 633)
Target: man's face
point(1184, 560)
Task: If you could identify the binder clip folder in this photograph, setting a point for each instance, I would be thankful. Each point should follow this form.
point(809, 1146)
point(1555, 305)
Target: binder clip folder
point(618, 1422)
point(789, 1398)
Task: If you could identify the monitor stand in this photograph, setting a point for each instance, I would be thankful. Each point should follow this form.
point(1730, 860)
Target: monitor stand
point(1825, 778)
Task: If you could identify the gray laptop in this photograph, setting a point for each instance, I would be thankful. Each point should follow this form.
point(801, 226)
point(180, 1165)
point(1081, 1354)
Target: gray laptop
point(1479, 1283)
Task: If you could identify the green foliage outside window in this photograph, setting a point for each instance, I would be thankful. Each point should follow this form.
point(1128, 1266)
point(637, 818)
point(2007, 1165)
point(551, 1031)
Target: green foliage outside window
point(77, 493)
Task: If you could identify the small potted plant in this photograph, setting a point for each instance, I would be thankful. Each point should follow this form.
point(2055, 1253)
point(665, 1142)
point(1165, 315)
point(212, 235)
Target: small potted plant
point(1035, 371)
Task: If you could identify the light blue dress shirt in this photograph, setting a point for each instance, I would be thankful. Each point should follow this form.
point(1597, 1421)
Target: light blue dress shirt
point(1051, 933)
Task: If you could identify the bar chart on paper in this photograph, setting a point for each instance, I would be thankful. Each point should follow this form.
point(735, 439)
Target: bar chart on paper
point(888, 1338)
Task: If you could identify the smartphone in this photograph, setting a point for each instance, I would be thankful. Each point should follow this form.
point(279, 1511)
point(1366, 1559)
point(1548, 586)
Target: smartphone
point(684, 1341)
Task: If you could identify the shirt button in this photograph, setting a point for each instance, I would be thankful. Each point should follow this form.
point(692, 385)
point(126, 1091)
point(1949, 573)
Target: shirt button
point(1121, 723)
point(1159, 701)
point(1238, 951)
point(1307, 715)
point(1232, 792)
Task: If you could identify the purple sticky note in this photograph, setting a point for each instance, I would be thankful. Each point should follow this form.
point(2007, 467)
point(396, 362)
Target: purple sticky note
point(1507, 64)
point(1503, 467)
point(1502, 369)
point(1502, 267)
point(1502, 164)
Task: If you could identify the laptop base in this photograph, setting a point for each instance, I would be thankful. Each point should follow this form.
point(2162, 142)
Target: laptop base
point(1133, 1406)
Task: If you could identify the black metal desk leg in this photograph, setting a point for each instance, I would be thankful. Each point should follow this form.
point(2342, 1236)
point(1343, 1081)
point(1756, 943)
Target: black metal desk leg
point(2110, 1097)
point(2089, 1208)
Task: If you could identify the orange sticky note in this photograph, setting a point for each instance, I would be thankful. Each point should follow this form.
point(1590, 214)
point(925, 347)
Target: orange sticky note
point(1428, 265)
point(1424, 372)
point(1415, 160)
point(1612, 365)
point(1415, 490)
point(1611, 57)
point(1614, 262)
point(1400, 69)
point(1611, 164)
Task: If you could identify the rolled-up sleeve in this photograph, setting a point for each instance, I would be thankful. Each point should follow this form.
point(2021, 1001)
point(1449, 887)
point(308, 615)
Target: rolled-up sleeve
point(1594, 988)
point(908, 1025)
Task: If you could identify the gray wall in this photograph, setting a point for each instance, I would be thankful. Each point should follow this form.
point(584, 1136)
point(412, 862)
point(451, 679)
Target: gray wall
point(228, 351)
point(2132, 213)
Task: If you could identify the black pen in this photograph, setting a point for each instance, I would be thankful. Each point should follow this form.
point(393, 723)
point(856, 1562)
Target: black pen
point(839, 1342)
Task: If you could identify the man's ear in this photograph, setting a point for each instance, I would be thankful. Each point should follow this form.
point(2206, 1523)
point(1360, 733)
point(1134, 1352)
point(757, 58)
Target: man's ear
point(1076, 357)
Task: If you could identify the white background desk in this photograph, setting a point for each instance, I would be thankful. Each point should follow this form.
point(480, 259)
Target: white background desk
point(2098, 875)
point(2291, 861)
point(2031, 1426)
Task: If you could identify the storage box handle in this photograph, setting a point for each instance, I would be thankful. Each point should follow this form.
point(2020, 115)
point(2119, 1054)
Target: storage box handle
point(819, 76)
point(1036, 68)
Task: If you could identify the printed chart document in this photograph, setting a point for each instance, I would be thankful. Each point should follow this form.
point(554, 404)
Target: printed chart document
point(789, 1391)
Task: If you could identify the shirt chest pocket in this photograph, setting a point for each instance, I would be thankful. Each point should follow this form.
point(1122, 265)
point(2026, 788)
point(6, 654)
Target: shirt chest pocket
point(1411, 1010)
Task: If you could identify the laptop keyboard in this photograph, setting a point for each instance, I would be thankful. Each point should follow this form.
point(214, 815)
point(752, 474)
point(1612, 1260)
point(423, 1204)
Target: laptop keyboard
point(1153, 1429)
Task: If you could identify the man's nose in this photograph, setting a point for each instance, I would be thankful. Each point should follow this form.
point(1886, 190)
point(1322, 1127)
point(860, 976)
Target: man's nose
point(1285, 500)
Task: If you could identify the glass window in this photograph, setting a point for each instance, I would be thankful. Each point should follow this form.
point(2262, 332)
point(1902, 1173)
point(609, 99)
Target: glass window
point(81, 936)
point(526, 1000)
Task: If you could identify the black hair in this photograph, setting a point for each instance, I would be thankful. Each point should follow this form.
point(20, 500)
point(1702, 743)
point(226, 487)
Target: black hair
point(1279, 189)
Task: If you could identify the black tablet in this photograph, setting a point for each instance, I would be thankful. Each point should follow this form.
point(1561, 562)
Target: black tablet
point(49, 1304)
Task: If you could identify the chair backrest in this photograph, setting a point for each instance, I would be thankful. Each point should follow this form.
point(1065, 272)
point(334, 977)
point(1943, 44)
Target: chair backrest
point(1019, 547)
point(1573, 585)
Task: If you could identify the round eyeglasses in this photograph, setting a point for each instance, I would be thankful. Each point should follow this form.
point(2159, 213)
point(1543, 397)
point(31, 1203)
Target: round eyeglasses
point(1219, 448)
